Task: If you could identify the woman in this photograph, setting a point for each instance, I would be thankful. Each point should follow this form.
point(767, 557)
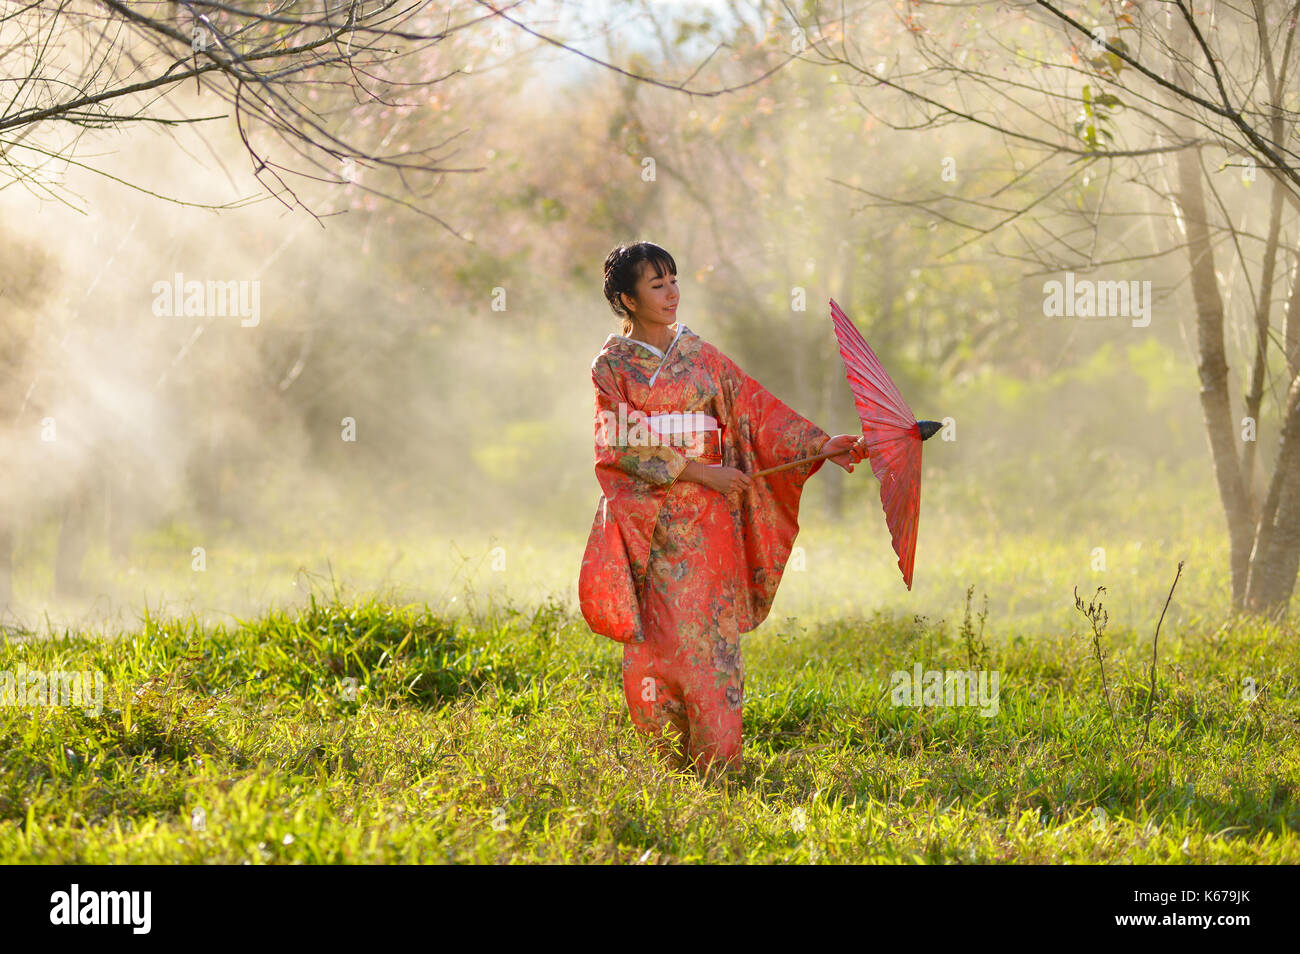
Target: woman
point(686, 550)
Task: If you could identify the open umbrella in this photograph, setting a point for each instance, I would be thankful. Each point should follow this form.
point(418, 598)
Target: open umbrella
point(893, 436)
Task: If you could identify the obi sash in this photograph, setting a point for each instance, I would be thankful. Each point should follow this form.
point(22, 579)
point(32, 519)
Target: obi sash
point(696, 434)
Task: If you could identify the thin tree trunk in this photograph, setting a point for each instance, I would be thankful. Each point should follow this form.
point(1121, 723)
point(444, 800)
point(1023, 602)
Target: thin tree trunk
point(1264, 307)
point(1255, 395)
point(833, 380)
point(1216, 407)
point(1292, 333)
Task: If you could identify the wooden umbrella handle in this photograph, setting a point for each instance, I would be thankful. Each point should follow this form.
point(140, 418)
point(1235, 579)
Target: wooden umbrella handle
point(794, 463)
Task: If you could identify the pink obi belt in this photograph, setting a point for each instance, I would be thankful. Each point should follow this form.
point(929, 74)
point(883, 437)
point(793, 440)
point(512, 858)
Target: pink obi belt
point(694, 433)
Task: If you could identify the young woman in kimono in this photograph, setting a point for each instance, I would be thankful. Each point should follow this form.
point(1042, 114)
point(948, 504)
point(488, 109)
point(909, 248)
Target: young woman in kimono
point(686, 550)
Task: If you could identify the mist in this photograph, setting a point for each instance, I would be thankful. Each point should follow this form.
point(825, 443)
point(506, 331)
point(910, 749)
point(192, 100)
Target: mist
point(389, 401)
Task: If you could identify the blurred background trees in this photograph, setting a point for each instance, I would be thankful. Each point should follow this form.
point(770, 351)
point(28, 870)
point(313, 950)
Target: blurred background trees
point(448, 302)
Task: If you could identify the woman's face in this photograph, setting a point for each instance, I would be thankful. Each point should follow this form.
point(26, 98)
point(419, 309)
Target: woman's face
point(656, 297)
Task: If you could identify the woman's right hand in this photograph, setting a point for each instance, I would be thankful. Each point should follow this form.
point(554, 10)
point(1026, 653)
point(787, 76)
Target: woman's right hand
point(727, 480)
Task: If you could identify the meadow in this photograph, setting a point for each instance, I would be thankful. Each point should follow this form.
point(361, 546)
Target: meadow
point(360, 726)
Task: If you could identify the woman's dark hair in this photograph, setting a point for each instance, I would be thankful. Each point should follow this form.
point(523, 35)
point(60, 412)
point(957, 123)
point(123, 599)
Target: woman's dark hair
point(623, 268)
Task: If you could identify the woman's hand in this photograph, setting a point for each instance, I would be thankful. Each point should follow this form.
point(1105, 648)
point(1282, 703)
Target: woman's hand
point(852, 447)
point(726, 480)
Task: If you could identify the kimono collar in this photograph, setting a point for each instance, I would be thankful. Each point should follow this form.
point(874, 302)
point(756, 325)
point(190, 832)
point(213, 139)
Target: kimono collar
point(649, 347)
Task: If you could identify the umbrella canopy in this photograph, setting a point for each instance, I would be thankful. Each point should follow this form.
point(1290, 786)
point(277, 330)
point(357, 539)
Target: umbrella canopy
point(893, 437)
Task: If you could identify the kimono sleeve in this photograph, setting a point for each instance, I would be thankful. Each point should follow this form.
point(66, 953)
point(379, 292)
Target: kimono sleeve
point(774, 434)
point(763, 432)
point(607, 592)
point(635, 475)
point(622, 438)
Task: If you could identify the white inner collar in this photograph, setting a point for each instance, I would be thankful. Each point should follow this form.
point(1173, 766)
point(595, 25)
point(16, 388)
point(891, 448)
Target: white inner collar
point(651, 348)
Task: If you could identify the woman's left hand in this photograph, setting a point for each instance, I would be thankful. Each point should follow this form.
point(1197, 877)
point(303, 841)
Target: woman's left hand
point(852, 448)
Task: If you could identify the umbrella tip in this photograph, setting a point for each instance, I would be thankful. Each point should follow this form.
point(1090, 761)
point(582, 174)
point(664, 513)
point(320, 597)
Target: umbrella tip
point(929, 429)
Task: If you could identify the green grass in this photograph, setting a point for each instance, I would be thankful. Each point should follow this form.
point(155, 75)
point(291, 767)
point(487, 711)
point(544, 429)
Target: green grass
point(362, 731)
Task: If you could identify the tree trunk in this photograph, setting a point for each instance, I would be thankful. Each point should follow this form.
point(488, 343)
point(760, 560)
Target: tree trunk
point(1276, 558)
point(1259, 368)
point(1291, 334)
point(1216, 407)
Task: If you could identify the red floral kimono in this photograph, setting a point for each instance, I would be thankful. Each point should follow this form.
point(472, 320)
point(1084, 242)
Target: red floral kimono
point(673, 569)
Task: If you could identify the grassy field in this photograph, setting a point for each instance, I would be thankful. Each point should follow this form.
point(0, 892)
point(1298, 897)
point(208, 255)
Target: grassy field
point(362, 730)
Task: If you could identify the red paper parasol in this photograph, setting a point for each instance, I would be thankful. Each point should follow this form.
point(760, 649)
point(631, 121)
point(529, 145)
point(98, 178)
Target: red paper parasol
point(893, 436)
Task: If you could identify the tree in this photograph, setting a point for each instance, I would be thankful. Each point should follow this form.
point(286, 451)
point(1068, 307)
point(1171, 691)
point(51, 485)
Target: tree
point(331, 95)
point(1121, 94)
